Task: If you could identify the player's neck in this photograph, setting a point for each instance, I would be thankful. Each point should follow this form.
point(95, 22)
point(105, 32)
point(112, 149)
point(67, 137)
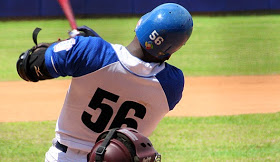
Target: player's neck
point(135, 48)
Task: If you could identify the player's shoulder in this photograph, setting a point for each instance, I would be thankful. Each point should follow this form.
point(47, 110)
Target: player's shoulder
point(172, 81)
point(172, 72)
point(173, 75)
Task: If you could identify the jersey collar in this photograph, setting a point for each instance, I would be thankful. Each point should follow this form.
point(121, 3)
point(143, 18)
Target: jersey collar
point(135, 65)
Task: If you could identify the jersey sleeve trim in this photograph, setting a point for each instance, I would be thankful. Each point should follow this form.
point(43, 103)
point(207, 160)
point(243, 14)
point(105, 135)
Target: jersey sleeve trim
point(50, 64)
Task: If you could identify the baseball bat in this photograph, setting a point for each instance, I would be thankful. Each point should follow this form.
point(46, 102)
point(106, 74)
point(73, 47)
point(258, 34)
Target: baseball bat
point(67, 9)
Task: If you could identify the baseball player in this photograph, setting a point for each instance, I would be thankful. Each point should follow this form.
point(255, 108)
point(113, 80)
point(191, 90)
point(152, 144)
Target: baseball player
point(112, 85)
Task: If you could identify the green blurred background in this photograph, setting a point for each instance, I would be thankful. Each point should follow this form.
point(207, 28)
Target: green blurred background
point(219, 46)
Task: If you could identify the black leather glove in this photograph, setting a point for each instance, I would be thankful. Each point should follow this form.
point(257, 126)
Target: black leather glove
point(86, 31)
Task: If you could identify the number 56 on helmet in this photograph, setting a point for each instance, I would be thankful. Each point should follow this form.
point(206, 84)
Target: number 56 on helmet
point(164, 30)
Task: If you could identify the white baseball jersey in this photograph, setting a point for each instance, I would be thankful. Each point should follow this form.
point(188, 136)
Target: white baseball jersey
point(110, 88)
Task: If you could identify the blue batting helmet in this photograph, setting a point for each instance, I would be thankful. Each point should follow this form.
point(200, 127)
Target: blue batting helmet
point(164, 30)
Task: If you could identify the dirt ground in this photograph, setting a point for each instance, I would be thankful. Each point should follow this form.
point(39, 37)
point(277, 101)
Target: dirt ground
point(203, 96)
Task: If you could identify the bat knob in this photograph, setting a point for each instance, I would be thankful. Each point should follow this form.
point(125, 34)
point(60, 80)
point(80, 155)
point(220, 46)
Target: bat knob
point(73, 33)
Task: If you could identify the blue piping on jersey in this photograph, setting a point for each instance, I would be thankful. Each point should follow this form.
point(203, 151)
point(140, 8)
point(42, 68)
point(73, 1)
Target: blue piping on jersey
point(142, 76)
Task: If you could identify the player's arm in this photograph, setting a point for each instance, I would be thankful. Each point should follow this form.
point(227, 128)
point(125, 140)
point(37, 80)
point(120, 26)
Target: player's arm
point(32, 66)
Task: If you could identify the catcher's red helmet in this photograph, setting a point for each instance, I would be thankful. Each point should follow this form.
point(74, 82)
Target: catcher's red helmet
point(125, 145)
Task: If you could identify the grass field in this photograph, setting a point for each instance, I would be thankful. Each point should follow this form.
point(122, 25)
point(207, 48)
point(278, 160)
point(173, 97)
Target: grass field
point(232, 138)
point(233, 45)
